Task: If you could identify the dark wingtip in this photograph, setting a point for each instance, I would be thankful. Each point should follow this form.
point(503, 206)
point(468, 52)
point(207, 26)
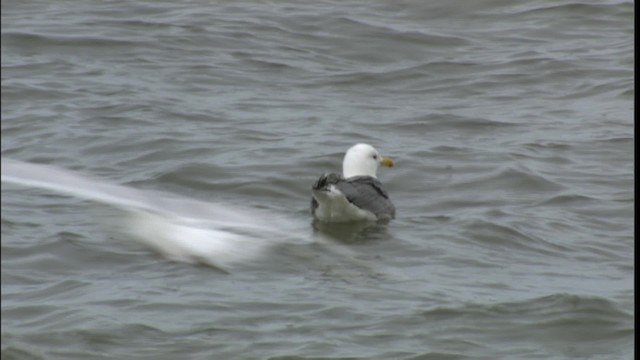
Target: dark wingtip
point(320, 183)
point(325, 180)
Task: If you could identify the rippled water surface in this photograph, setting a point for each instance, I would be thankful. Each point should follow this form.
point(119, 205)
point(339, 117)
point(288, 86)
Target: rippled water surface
point(511, 124)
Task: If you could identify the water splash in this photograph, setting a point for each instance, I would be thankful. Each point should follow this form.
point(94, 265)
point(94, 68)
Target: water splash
point(181, 229)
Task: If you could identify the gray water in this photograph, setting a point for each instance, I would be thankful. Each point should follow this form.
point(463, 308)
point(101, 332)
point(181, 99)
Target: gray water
point(511, 125)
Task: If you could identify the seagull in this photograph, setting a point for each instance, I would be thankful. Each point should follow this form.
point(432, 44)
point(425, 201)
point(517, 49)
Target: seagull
point(357, 194)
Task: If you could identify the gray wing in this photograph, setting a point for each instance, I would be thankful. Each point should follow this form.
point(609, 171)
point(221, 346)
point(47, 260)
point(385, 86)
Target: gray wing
point(367, 193)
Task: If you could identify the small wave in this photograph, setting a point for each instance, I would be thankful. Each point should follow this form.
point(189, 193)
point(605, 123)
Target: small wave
point(576, 9)
point(512, 180)
point(568, 199)
point(550, 310)
point(13, 352)
point(503, 236)
point(50, 40)
point(576, 325)
point(396, 34)
point(440, 121)
point(548, 145)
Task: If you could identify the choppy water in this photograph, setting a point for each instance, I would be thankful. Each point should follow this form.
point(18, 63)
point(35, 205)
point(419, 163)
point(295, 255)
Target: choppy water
point(511, 124)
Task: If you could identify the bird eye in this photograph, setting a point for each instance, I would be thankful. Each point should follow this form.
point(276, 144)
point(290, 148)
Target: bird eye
point(375, 157)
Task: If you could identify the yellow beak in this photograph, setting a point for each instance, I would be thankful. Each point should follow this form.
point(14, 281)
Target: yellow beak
point(388, 162)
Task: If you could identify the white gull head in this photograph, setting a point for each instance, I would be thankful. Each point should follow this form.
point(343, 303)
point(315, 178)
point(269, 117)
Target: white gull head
point(363, 160)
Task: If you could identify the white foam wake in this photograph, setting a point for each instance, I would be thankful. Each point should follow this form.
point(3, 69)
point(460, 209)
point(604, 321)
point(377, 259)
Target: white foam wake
point(181, 229)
